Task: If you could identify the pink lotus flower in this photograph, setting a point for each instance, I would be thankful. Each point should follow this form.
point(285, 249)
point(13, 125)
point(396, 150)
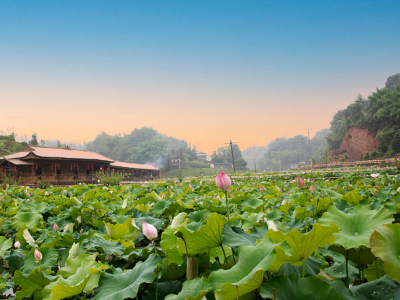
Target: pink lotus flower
point(300, 182)
point(247, 190)
point(17, 244)
point(261, 189)
point(311, 200)
point(46, 193)
point(195, 201)
point(27, 194)
point(218, 198)
point(163, 196)
point(38, 256)
point(192, 190)
point(190, 186)
point(376, 186)
point(312, 189)
point(149, 231)
point(55, 227)
point(223, 181)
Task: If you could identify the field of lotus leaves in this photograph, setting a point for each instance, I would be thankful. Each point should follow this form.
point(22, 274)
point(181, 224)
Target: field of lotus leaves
point(318, 236)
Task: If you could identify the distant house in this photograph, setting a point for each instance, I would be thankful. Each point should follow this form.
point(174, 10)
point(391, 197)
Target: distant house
point(222, 166)
point(298, 166)
point(175, 160)
point(154, 165)
point(202, 155)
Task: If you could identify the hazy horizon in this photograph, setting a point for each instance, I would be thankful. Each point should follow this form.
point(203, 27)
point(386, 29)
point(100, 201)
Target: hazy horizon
point(204, 72)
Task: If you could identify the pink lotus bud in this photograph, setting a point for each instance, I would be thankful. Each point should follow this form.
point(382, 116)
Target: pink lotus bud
point(163, 196)
point(149, 231)
point(192, 190)
point(17, 244)
point(38, 256)
point(231, 195)
point(311, 200)
point(99, 210)
point(376, 186)
point(46, 193)
point(300, 182)
point(261, 189)
point(55, 227)
point(190, 186)
point(195, 201)
point(27, 194)
point(312, 190)
point(223, 181)
point(218, 198)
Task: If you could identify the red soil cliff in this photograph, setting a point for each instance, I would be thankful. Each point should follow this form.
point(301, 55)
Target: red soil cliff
point(357, 142)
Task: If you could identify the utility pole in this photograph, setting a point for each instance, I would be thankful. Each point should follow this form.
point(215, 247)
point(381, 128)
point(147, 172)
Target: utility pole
point(255, 167)
point(233, 159)
point(179, 161)
point(269, 154)
point(309, 147)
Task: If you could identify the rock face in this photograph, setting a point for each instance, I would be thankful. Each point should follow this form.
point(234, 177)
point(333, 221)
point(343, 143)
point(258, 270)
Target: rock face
point(357, 142)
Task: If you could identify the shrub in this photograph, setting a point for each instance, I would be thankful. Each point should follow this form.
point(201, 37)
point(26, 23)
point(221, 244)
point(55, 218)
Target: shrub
point(110, 179)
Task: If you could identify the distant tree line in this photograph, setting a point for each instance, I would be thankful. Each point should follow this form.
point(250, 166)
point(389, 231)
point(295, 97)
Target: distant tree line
point(143, 145)
point(281, 153)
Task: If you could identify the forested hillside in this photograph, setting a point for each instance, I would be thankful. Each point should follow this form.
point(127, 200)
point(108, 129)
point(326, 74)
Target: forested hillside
point(141, 146)
point(380, 113)
point(287, 151)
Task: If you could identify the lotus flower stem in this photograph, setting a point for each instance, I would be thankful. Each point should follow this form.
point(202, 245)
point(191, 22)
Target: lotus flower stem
point(302, 274)
point(237, 292)
point(347, 268)
point(274, 294)
point(305, 209)
point(227, 208)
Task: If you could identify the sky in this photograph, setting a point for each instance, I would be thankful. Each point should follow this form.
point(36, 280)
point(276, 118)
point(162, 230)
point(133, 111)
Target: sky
point(204, 71)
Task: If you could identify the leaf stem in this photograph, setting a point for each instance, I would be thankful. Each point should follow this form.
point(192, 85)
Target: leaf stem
point(237, 292)
point(376, 268)
point(347, 268)
point(157, 284)
point(302, 263)
point(223, 251)
point(233, 255)
point(274, 294)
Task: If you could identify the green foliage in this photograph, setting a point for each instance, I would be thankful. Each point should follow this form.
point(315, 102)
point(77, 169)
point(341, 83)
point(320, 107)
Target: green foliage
point(8, 145)
point(98, 249)
point(110, 179)
point(385, 243)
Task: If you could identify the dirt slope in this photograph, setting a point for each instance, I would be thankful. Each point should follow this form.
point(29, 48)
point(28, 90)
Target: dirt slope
point(357, 141)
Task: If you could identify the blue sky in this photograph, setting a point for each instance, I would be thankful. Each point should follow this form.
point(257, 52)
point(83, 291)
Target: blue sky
point(275, 67)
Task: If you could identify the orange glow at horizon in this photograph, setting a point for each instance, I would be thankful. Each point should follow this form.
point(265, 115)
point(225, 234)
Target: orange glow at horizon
point(208, 123)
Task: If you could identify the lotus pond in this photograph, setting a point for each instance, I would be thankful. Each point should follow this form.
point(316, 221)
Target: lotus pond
point(338, 240)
